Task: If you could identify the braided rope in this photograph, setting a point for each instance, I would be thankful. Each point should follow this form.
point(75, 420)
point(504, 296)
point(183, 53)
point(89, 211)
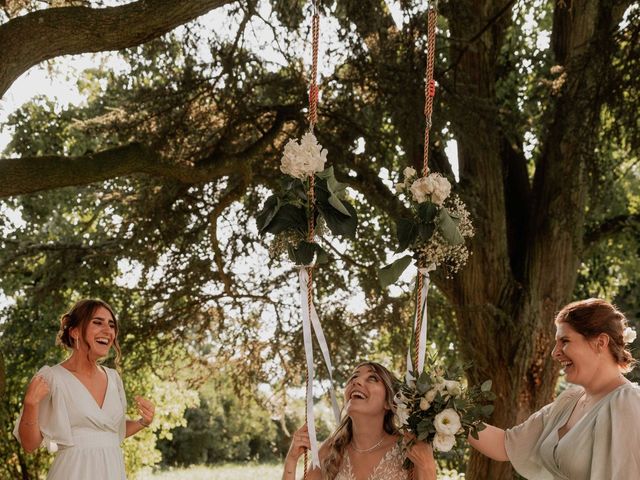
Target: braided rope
point(313, 120)
point(313, 89)
point(429, 93)
point(430, 84)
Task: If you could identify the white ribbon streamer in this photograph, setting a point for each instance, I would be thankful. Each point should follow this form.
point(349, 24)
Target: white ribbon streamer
point(311, 321)
point(422, 335)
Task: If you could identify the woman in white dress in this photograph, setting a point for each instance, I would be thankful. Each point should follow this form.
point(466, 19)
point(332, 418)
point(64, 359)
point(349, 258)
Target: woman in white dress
point(365, 444)
point(592, 430)
point(76, 409)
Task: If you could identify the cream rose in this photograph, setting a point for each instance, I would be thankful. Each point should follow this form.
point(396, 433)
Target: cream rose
point(441, 190)
point(409, 172)
point(453, 388)
point(443, 443)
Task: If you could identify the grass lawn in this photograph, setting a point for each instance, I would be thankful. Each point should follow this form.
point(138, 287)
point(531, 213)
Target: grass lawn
point(219, 472)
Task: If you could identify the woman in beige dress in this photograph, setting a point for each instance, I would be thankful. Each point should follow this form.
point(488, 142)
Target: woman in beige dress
point(592, 430)
point(76, 409)
point(365, 446)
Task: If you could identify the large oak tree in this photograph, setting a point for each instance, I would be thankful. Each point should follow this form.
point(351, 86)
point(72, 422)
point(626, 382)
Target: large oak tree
point(533, 122)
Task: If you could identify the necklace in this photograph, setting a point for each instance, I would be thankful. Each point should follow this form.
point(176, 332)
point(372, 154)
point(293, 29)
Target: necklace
point(367, 450)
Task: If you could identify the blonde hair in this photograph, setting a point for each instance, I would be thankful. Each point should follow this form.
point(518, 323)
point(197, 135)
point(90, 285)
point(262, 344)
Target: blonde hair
point(337, 442)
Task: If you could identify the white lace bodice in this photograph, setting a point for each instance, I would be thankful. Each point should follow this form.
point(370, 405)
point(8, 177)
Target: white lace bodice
point(389, 468)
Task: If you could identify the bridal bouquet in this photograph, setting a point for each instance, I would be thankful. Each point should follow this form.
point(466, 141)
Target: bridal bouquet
point(438, 407)
point(437, 230)
point(286, 214)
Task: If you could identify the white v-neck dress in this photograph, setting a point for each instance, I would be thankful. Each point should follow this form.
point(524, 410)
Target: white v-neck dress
point(603, 445)
point(85, 437)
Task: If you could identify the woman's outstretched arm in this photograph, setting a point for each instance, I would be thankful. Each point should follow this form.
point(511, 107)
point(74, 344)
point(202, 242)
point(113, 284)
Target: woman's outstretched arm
point(491, 443)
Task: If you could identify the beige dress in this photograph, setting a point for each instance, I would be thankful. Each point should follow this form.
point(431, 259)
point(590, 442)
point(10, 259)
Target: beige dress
point(603, 445)
point(389, 468)
point(84, 436)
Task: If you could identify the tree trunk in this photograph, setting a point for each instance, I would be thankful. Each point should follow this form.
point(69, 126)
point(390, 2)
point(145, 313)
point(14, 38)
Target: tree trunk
point(528, 239)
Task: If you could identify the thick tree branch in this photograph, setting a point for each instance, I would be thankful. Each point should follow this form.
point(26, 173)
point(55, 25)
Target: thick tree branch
point(28, 40)
point(610, 228)
point(29, 175)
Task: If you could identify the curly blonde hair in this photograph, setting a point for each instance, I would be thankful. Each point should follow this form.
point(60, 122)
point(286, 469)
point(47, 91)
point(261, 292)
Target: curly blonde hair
point(338, 441)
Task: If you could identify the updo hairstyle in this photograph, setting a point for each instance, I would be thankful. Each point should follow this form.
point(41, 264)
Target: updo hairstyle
point(593, 317)
point(78, 317)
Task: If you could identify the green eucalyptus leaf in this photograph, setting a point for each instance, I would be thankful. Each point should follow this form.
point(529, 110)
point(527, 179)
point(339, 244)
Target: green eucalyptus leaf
point(486, 386)
point(326, 173)
point(425, 231)
point(338, 205)
point(322, 256)
point(303, 253)
point(339, 223)
point(427, 212)
point(288, 217)
point(269, 210)
point(407, 232)
point(448, 228)
point(487, 410)
point(389, 274)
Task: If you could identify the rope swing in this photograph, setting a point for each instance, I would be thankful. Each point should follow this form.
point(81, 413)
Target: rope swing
point(422, 287)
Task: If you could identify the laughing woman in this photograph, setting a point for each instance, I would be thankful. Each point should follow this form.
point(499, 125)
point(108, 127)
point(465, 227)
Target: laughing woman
point(365, 444)
point(77, 408)
point(592, 430)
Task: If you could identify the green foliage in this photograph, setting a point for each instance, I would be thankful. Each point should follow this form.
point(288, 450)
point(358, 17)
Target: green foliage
point(286, 213)
point(228, 426)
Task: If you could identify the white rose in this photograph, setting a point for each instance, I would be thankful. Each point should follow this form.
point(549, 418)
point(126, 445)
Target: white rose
point(443, 443)
point(409, 172)
point(431, 394)
point(52, 446)
point(303, 159)
point(424, 404)
point(629, 335)
point(402, 414)
point(453, 387)
point(447, 422)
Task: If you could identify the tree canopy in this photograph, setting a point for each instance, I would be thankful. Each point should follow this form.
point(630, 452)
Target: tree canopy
point(146, 192)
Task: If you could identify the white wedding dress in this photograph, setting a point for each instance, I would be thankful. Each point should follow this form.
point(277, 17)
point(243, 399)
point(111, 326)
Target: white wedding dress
point(84, 436)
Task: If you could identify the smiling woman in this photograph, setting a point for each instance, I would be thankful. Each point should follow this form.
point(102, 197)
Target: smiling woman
point(592, 430)
point(77, 408)
point(366, 443)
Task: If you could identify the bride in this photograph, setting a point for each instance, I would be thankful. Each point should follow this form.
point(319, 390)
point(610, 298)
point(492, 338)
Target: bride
point(366, 444)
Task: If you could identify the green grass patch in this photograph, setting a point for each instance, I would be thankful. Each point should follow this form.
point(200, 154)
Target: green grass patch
point(218, 472)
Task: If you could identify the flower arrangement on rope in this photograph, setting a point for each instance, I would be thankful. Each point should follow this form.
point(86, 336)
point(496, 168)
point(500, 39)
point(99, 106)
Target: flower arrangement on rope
point(286, 213)
point(438, 407)
point(437, 230)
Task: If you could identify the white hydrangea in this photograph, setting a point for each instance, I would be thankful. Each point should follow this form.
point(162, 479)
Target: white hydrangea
point(301, 160)
point(443, 443)
point(447, 422)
